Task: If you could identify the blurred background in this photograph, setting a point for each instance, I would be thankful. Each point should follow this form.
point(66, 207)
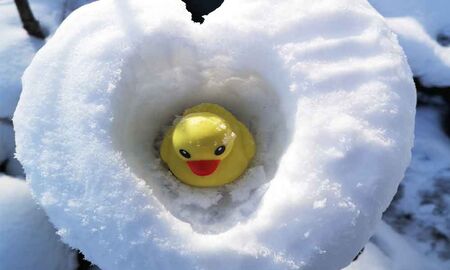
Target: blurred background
point(419, 215)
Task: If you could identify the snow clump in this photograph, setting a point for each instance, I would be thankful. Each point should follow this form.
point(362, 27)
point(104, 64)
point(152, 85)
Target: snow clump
point(28, 240)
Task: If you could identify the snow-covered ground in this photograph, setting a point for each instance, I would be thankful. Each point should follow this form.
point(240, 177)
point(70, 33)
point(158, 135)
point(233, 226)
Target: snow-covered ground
point(420, 212)
point(17, 48)
point(421, 209)
point(423, 28)
point(27, 239)
point(388, 250)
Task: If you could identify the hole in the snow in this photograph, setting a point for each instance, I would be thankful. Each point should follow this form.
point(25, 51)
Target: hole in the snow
point(199, 8)
point(443, 37)
point(155, 88)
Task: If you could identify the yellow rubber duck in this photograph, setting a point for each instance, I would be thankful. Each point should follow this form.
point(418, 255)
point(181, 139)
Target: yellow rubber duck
point(207, 147)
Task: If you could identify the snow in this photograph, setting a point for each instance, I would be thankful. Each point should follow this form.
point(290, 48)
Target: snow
point(388, 250)
point(28, 240)
point(17, 50)
point(421, 208)
point(420, 24)
point(326, 91)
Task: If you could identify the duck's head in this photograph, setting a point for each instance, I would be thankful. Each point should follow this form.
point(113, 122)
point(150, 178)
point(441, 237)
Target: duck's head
point(203, 140)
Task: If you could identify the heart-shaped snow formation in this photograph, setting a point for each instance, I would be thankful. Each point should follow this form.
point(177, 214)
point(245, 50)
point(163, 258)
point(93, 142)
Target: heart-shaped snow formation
point(323, 86)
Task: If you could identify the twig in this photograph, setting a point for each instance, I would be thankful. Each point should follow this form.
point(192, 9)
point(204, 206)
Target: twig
point(30, 24)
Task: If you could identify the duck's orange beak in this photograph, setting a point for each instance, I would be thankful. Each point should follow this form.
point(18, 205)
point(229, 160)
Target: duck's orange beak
point(203, 167)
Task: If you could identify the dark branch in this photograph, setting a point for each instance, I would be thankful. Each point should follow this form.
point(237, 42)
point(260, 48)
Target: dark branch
point(30, 24)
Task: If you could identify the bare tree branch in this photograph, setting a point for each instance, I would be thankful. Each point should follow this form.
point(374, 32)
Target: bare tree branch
point(30, 24)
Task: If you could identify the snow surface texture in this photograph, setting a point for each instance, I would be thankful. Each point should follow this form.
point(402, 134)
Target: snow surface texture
point(422, 207)
point(423, 27)
point(28, 240)
point(18, 49)
point(16, 52)
point(323, 86)
point(388, 250)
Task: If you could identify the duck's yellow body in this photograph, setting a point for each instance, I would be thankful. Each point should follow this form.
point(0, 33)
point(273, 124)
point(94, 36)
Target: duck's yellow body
point(208, 147)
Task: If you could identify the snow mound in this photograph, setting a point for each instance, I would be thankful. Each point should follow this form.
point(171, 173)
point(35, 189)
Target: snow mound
point(323, 86)
point(423, 27)
point(28, 240)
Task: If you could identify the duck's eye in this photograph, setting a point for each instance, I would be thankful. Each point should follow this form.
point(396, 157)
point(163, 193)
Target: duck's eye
point(219, 150)
point(185, 153)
